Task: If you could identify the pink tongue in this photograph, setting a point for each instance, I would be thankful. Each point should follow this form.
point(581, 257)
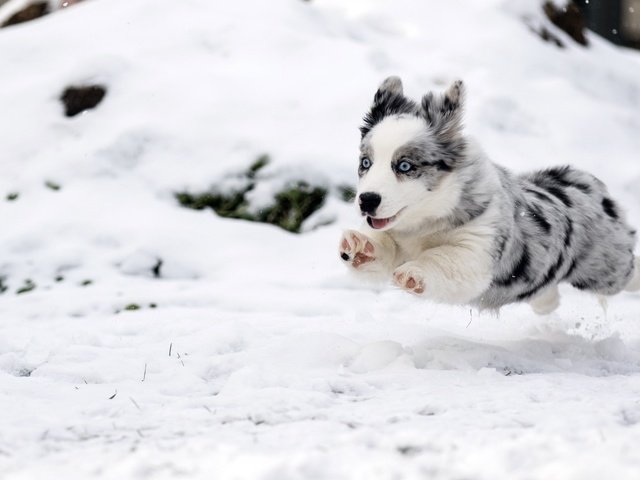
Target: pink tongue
point(379, 222)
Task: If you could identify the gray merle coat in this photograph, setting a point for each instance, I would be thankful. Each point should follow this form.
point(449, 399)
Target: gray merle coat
point(444, 222)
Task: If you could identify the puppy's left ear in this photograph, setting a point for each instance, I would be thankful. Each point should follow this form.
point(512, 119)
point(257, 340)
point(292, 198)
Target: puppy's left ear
point(444, 112)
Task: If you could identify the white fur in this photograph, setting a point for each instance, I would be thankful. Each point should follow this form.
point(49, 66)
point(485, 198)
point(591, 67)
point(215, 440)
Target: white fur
point(407, 198)
point(453, 266)
point(547, 301)
point(391, 132)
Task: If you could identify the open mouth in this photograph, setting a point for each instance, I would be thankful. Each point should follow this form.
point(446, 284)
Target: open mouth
point(378, 223)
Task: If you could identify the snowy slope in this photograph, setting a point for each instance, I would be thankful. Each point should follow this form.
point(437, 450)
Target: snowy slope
point(261, 358)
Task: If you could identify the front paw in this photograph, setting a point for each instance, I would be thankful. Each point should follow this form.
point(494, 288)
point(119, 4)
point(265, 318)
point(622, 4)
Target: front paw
point(356, 249)
point(410, 277)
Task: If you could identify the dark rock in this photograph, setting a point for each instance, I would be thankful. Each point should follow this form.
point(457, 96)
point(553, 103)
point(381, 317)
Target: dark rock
point(78, 99)
point(569, 19)
point(157, 268)
point(28, 13)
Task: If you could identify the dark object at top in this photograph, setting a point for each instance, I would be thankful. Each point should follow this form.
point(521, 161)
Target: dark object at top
point(30, 12)
point(78, 99)
point(569, 18)
point(616, 20)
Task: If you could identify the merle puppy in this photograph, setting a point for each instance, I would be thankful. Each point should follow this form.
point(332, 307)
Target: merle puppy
point(445, 223)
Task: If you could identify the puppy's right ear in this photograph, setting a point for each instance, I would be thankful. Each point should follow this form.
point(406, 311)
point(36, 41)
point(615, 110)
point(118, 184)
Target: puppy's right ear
point(388, 100)
point(390, 86)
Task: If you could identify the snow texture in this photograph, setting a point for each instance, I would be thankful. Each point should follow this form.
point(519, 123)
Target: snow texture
point(161, 342)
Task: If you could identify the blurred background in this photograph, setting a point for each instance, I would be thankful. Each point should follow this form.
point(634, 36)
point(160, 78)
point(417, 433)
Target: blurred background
point(174, 179)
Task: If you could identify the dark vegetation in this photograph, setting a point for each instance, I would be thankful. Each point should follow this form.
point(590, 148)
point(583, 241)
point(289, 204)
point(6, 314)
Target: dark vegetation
point(28, 286)
point(347, 193)
point(291, 206)
point(52, 185)
point(132, 307)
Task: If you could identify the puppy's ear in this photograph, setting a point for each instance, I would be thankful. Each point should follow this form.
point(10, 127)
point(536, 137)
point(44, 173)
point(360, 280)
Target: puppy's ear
point(444, 112)
point(391, 85)
point(388, 100)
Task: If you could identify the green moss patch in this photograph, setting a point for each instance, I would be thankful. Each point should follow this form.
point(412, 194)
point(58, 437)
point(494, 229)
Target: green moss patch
point(52, 185)
point(133, 307)
point(27, 287)
point(261, 162)
point(291, 206)
point(347, 193)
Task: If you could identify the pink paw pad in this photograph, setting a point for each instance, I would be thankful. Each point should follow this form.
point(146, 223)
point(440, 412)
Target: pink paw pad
point(409, 282)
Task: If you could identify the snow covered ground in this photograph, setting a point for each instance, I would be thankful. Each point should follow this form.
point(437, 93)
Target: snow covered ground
point(254, 355)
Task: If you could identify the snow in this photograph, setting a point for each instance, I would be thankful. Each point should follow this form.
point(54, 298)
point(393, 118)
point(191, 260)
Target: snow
point(262, 358)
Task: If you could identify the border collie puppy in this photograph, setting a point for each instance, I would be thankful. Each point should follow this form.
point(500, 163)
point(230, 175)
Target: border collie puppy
point(445, 223)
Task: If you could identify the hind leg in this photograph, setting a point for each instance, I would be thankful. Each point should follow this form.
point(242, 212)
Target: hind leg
point(634, 284)
point(547, 301)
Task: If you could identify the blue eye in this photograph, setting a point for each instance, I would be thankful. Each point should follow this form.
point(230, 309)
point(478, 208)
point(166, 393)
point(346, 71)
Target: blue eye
point(365, 163)
point(404, 166)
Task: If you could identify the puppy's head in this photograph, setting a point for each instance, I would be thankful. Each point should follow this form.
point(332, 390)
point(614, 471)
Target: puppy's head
point(408, 156)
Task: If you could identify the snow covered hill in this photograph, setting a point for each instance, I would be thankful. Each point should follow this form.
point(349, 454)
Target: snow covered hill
point(141, 339)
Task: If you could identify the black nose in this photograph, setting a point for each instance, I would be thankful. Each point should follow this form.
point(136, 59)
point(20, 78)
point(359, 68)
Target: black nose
point(369, 201)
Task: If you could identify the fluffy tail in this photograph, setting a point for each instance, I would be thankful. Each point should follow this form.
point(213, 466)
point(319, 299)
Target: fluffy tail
point(634, 284)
